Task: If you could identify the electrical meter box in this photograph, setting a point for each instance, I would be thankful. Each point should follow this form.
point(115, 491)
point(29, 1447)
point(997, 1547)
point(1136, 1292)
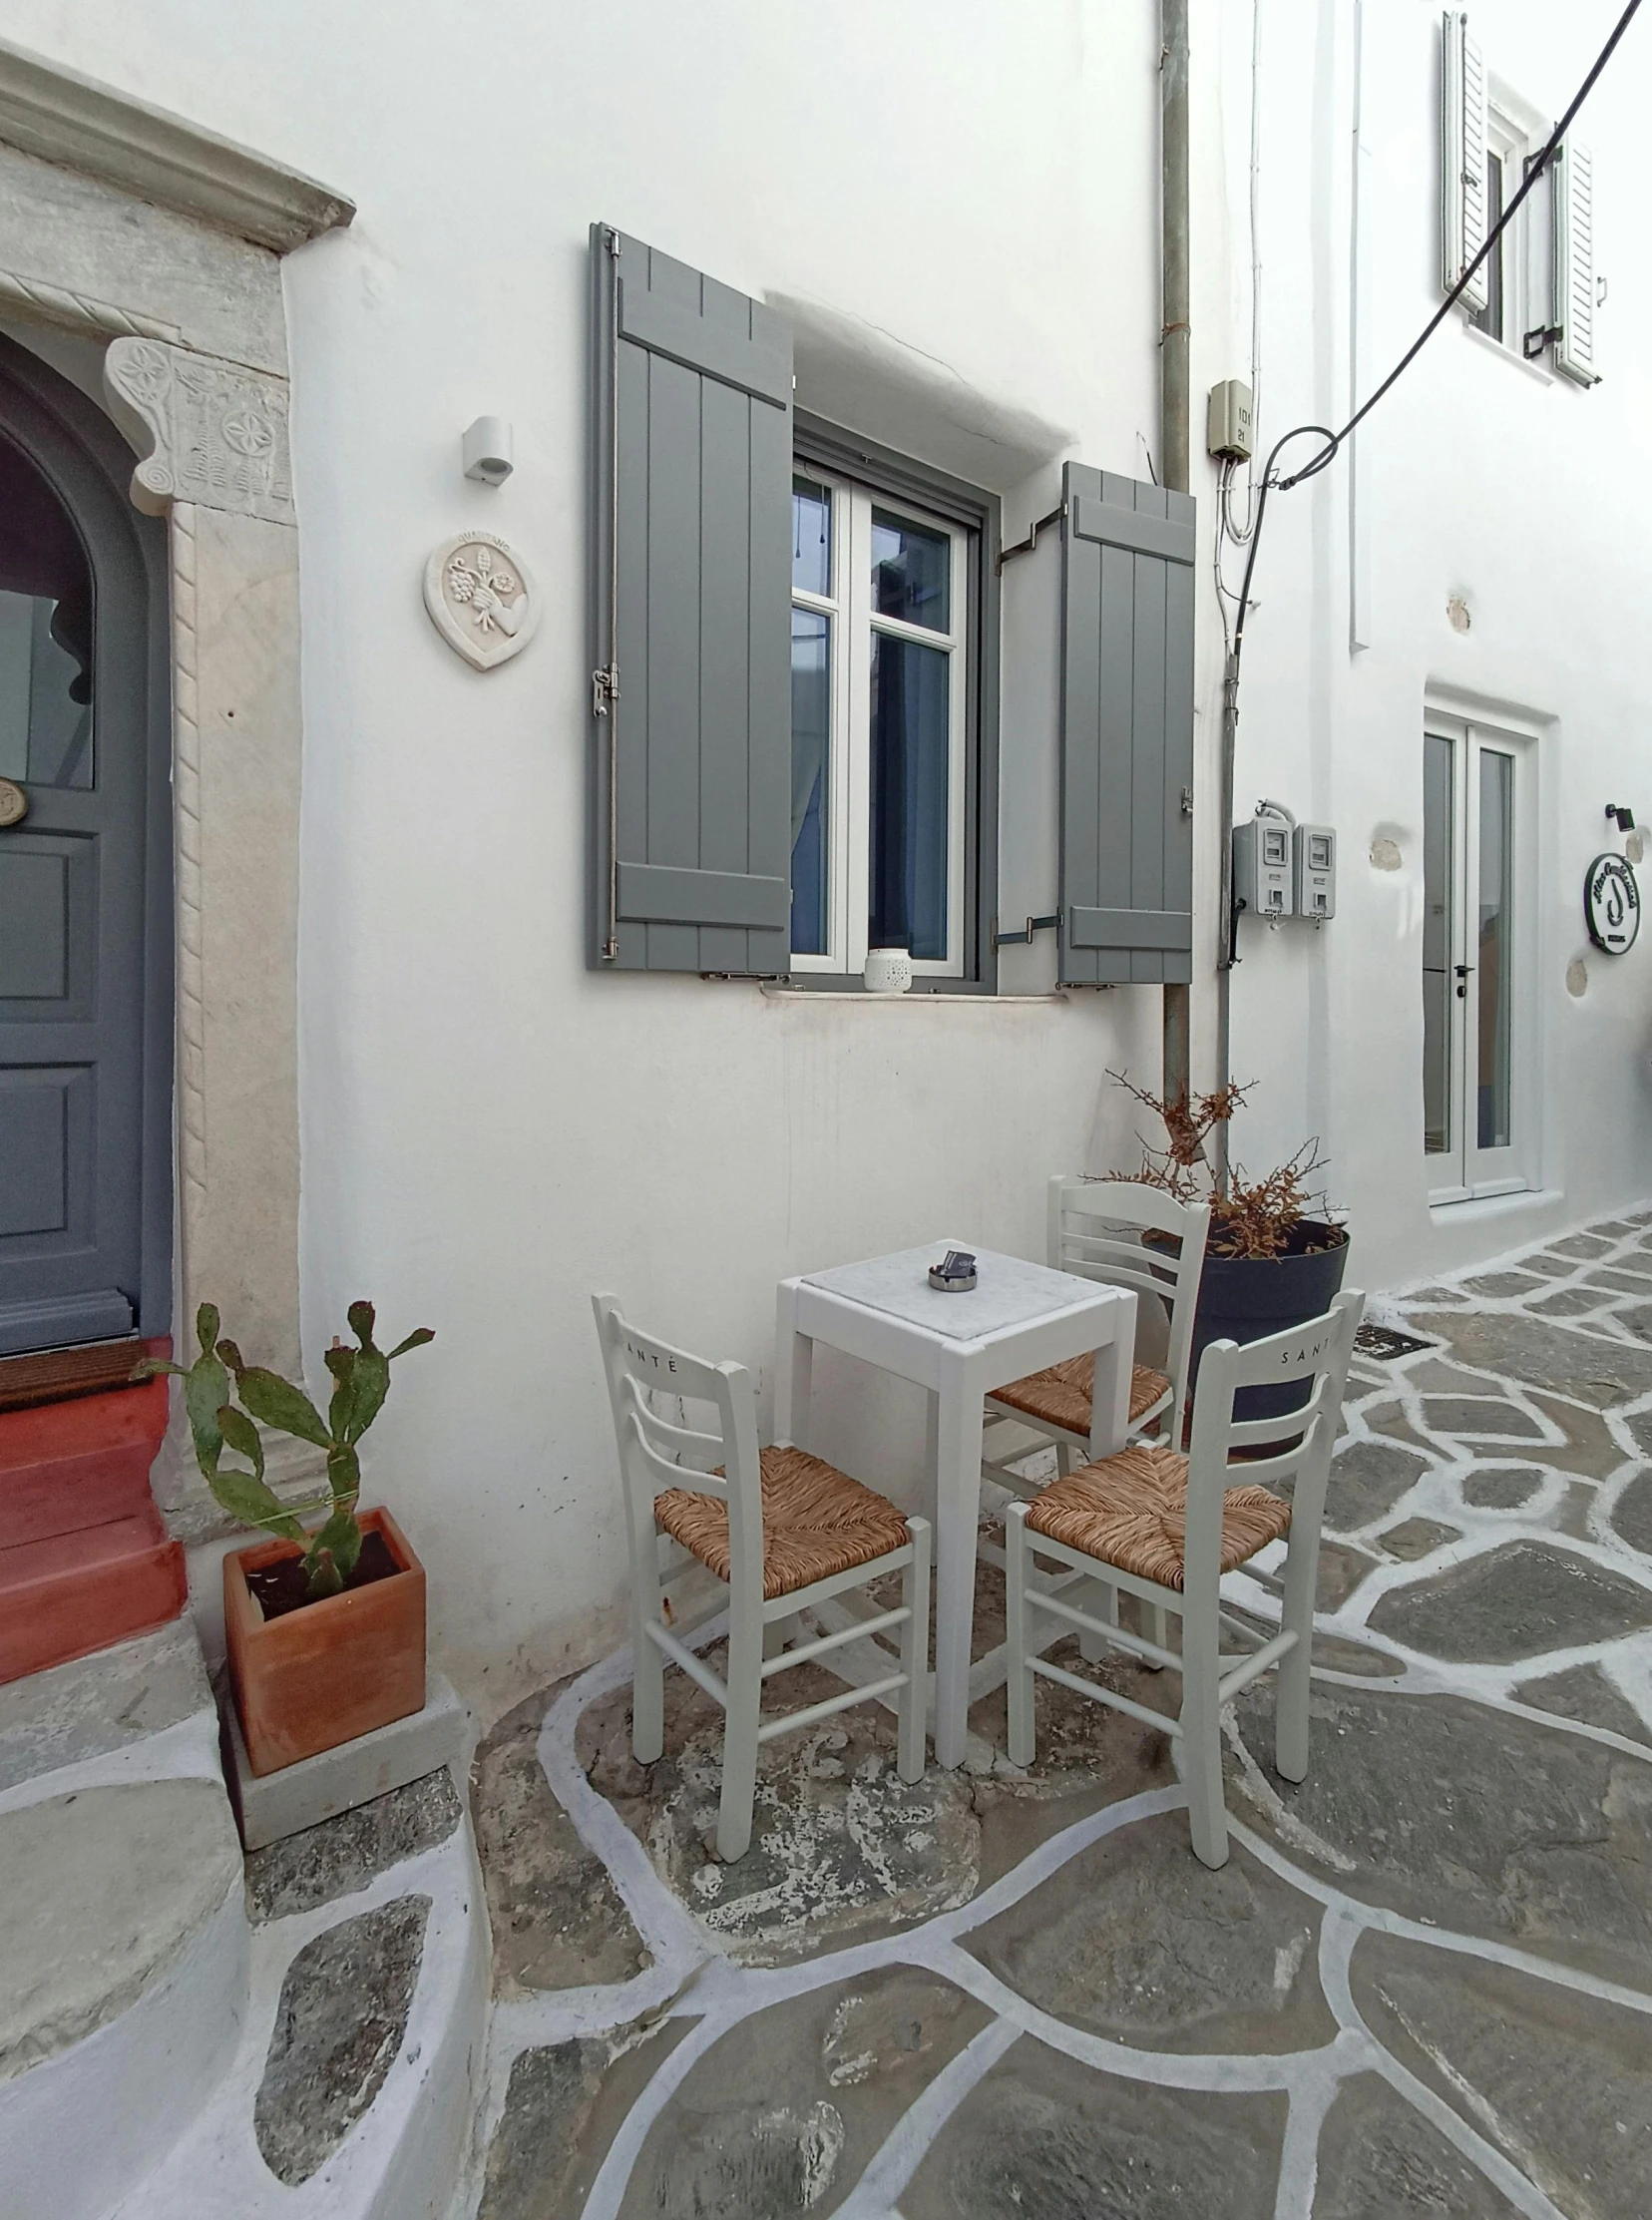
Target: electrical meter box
point(1315, 871)
point(1228, 422)
point(1262, 868)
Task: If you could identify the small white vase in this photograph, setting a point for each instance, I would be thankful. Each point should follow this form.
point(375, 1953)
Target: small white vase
point(888, 971)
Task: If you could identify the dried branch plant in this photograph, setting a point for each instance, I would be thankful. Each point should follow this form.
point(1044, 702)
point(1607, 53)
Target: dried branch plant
point(1253, 1217)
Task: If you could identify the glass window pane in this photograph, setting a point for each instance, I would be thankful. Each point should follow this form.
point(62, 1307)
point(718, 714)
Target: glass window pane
point(1495, 956)
point(811, 775)
point(1437, 933)
point(910, 571)
point(1490, 317)
point(910, 773)
point(811, 537)
point(45, 634)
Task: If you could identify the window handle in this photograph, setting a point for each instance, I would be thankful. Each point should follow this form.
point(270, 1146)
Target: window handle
point(1463, 971)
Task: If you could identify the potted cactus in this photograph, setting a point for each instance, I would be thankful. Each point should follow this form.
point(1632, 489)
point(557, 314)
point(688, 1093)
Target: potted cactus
point(324, 1625)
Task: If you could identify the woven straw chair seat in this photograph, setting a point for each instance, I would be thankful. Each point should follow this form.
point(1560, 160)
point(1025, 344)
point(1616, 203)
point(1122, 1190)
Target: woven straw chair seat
point(1131, 1510)
point(1060, 1396)
point(816, 1521)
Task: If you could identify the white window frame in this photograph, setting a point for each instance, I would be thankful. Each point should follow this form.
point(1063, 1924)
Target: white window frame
point(848, 606)
point(1514, 133)
point(1464, 1171)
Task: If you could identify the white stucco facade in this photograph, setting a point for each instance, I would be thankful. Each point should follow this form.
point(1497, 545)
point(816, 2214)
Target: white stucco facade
point(959, 219)
point(1479, 479)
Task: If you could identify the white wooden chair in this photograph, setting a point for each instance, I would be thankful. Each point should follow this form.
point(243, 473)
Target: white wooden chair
point(1167, 1527)
point(780, 1531)
point(1094, 1232)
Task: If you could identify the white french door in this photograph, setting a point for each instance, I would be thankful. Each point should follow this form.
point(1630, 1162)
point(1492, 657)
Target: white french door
point(1477, 906)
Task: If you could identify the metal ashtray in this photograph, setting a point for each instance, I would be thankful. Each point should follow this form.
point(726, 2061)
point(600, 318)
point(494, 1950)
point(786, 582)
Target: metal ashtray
point(955, 1275)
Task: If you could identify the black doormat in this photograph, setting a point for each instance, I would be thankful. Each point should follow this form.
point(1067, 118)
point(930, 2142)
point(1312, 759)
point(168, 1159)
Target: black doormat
point(1383, 1343)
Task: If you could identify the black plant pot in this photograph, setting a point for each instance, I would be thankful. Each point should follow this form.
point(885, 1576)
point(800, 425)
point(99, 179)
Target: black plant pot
point(1246, 1298)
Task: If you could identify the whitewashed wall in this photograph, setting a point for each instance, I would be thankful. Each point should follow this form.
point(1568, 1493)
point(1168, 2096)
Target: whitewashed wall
point(959, 209)
point(1482, 479)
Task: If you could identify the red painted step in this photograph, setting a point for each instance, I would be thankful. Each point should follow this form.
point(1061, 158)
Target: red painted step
point(84, 1559)
point(68, 1465)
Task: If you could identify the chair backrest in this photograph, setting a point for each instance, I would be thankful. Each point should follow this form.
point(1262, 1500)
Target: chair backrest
point(1321, 1348)
point(658, 1451)
point(1095, 1231)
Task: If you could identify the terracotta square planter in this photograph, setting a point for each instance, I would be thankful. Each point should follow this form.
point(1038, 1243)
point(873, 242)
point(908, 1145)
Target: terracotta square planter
point(321, 1676)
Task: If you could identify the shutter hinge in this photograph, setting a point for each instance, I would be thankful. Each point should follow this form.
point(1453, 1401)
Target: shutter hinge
point(1534, 342)
point(1187, 801)
point(605, 687)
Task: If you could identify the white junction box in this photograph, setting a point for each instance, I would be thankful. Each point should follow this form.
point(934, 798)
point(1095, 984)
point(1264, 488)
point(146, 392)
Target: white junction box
point(1228, 423)
point(1262, 867)
point(1315, 871)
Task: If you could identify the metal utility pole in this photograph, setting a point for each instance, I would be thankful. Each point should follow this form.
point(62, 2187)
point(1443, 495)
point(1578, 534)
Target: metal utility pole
point(1174, 385)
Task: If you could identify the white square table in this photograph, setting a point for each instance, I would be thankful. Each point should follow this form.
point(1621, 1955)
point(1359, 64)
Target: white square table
point(1019, 1318)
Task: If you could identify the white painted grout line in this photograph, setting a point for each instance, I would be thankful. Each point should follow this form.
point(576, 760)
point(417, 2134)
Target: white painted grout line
point(1335, 1958)
point(907, 2143)
point(1041, 1864)
point(1217, 2071)
point(1356, 1917)
point(614, 2176)
point(667, 1928)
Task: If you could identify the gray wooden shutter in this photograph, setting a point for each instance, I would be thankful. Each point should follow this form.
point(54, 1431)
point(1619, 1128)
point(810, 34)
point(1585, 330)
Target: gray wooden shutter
point(1127, 732)
point(691, 692)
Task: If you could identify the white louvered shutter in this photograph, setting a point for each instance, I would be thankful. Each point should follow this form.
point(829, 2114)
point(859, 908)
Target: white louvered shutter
point(1464, 160)
point(1574, 268)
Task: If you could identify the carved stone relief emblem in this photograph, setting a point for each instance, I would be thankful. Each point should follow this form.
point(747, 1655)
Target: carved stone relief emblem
point(482, 599)
point(219, 432)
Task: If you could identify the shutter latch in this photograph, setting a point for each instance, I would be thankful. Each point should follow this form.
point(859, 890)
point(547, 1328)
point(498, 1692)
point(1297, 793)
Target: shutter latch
point(1187, 801)
point(605, 687)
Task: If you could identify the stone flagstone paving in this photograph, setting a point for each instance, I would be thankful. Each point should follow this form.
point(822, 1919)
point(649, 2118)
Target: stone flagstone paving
point(1422, 1985)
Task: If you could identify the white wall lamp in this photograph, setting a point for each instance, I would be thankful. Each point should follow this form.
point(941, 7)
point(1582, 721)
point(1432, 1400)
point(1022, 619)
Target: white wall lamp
point(487, 450)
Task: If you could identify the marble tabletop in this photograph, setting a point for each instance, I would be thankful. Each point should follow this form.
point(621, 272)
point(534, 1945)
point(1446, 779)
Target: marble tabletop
point(1009, 1292)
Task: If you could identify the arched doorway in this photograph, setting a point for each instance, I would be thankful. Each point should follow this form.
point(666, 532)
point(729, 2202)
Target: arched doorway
point(85, 879)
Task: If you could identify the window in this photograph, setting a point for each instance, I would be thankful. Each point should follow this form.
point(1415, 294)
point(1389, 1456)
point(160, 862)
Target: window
point(1477, 895)
point(881, 693)
point(1538, 289)
point(1515, 270)
point(795, 683)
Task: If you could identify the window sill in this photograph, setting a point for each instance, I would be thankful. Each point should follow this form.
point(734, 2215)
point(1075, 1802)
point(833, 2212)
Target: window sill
point(917, 996)
point(1460, 1208)
point(1534, 371)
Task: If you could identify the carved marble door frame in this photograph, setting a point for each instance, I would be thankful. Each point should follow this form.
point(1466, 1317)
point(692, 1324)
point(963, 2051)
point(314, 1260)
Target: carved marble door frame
point(129, 225)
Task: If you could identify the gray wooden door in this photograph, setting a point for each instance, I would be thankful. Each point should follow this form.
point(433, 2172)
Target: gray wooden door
point(85, 1202)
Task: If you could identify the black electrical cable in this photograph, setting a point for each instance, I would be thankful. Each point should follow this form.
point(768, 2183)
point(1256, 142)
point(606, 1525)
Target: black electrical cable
point(1334, 440)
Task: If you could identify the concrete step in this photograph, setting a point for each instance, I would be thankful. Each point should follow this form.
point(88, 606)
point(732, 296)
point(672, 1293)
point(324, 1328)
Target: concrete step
point(188, 2035)
point(354, 2091)
point(123, 1940)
